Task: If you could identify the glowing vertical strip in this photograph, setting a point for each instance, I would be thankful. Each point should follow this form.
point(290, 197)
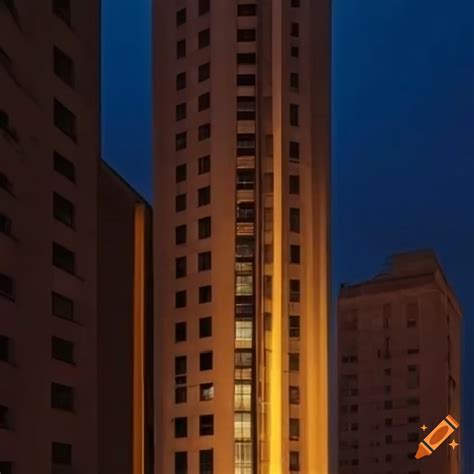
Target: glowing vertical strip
point(138, 341)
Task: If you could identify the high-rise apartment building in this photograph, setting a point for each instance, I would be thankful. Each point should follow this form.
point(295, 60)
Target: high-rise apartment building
point(242, 125)
point(399, 368)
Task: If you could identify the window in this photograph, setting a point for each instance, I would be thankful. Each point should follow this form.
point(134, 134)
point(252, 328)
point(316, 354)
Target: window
point(180, 332)
point(247, 10)
point(204, 38)
point(295, 254)
point(295, 51)
point(204, 131)
point(205, 294)
point(206, 425)
point(180, 267)
point(243, 359)
point(412, 437)
point(63, 66)
point(61, 453)
point(294, 151)
point(180, 202)
point(204, 228)
point(205, 327)
point(245, 179)
point(64, 120)
point(243, 333)
point(295, 3)
point(5, 224)
point(413, 402)
point(294, 361)
point(181, 173)
point(294, 115)
point(388, 404)
point(62, 350)
point(206, 392)
point(204, 164)
point(204, 101)
point(295, 30)
point(243, 396)
point(181, 49)
point(180, 394)
point(294, 326)
point(180, 234)
point(294, 81)
point(205, 361)
point(294, 461)
point(62, 397)
point(180, 365)
point(244, 285)
point(63, 258)
point(181, 462)
point(412, 315)
point(180, 81)
point(204, 261)
point(181, 111)
point(62, 307)
point(206, 461)
point(246, 79)
point(204, 6)
point(246, 58)
point(181, 427)
point(294, 290)
point(246, 144)
point(181, 17)
point(294, 429)
point(180, 299)
point(64, 167)
point(294, 219)
point(243, 431)
point(204, 196)
point(294, 395)
point(246, 35)
point(181, 141)
point(62, 8)
point(6, 286)
point(413, 419)
point(5, 183)
point(246, 108)
point(5, 348)
point(63, 210)
point(204, 72)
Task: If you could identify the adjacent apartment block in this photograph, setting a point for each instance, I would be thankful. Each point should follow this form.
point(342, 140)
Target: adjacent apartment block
point(241, 213)
point(399, 368)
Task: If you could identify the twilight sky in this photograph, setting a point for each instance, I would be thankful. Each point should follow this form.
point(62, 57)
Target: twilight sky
point(403, 138)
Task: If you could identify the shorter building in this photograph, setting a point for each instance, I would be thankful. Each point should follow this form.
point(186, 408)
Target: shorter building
point(398, 368)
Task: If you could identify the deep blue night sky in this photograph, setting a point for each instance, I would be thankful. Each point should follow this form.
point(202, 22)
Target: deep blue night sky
point(403, 138)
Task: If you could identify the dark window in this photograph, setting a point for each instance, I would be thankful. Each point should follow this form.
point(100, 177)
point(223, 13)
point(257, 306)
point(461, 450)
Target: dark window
point(204, 228)
point(6, 286)
point(6, 467)
point(180, 395)
point(294, 326)
point(246, 79)
point(412, 437)
point(294, 115)
point(246, 35)
point(205, 327)
point(204, 196)
point(5, 343)
point(412, 402)
point(180, 332)
point(62, 397)
point(204, 101)
point(294, 428)
point(294, 81)
point(5, 224)
point(180, 234)
point(294, 219)
point(295, 254)
point(180, 299)
point(180, 81)
point(180, 267)
point(204, 38)
point(245, 179)
point(64, 119)
point(294, 395)
point(61, 453)
point(246, 144)
point(62, 8)
point(181, 17)
point(295, 3)
point(295, 51)
point(180, 427)
point(63, 66)
point(181, 111)
point(245, 211)
point(64, 167)
point(247, 10)
point(204, 72)
point(294, 184)
point(62, 350)
point(246, 58)
point(180, 365)
point(295, 29)
point(294, 291)
point(246, 108)
point(181, 173)
point(4, 419)
point(244, 247)
point(294, 461)
point(204, 131)
point(181, 141)
point(205, 294)
point(294, 151)
point(243, 359)
point(205, 361)
point(62, 307)
point(181, 462)
point(204, 164)
point(204, 261)
point(206, 392)
point(204, 6)
point(5, 183)
point(206, 425)
point(63, 258)
point(206, 461)
point(181, 49)
point(387, 404)
point(63, 210)
point(180, 204)
point(294, 362)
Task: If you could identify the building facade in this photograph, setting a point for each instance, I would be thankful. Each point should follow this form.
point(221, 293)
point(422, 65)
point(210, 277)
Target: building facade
point(241, 212)
point(399, 368)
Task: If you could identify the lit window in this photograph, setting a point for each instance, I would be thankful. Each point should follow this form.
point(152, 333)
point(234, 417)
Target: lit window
point(244, 285)
point(206, 391)
point(243, 334)
point(242, 426)
point(243, 396)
